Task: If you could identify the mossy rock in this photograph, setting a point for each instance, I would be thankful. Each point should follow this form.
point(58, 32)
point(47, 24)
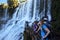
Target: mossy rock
point(13, 3)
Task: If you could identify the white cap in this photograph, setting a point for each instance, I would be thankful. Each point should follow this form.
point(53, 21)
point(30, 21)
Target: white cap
point(45, 19)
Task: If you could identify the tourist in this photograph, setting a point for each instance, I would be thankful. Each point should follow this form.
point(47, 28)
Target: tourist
point(44, 31)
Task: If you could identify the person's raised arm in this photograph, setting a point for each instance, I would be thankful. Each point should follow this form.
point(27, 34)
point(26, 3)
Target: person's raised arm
point(38, 28)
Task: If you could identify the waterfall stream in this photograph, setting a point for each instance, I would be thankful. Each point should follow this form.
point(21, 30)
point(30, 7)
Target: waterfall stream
point(29, 11)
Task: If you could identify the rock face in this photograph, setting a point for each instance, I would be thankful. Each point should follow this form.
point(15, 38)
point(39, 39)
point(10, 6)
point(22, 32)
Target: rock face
point(5, 6)
point(12, 6)
point(13, 3)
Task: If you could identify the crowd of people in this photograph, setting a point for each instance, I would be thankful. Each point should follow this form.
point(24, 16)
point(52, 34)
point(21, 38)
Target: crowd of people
point(39, 30)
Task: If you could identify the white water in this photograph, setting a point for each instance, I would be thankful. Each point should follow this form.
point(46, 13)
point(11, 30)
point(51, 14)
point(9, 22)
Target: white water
point(5, 16)
point(13, 28)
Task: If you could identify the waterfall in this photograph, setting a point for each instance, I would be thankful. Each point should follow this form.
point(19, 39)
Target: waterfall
point(28, 11)
point(5, 17)
point(49, 10)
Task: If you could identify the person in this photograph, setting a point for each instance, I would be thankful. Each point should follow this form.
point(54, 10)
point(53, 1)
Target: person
point(46, 22)
point(49, 26)
point(44, 31)
point(35, 27)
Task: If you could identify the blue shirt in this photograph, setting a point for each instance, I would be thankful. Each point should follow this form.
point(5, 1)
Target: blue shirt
point(42, 31)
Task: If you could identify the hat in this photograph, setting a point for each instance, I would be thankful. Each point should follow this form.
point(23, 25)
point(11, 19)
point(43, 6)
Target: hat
point(45, 19)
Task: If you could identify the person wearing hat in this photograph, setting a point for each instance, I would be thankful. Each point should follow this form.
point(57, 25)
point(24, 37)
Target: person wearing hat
point(46, 22)
point(44, 31)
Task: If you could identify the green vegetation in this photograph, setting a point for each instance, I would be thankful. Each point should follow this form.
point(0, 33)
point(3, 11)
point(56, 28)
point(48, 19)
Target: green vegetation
point(56, 15)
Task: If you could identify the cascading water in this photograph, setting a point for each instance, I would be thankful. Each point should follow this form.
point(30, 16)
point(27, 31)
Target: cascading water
point(49, 10)
point(5, 17)
point(28, 11)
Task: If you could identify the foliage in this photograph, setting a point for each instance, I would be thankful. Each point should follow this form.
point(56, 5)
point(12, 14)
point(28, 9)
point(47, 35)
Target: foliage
point(56, 15)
